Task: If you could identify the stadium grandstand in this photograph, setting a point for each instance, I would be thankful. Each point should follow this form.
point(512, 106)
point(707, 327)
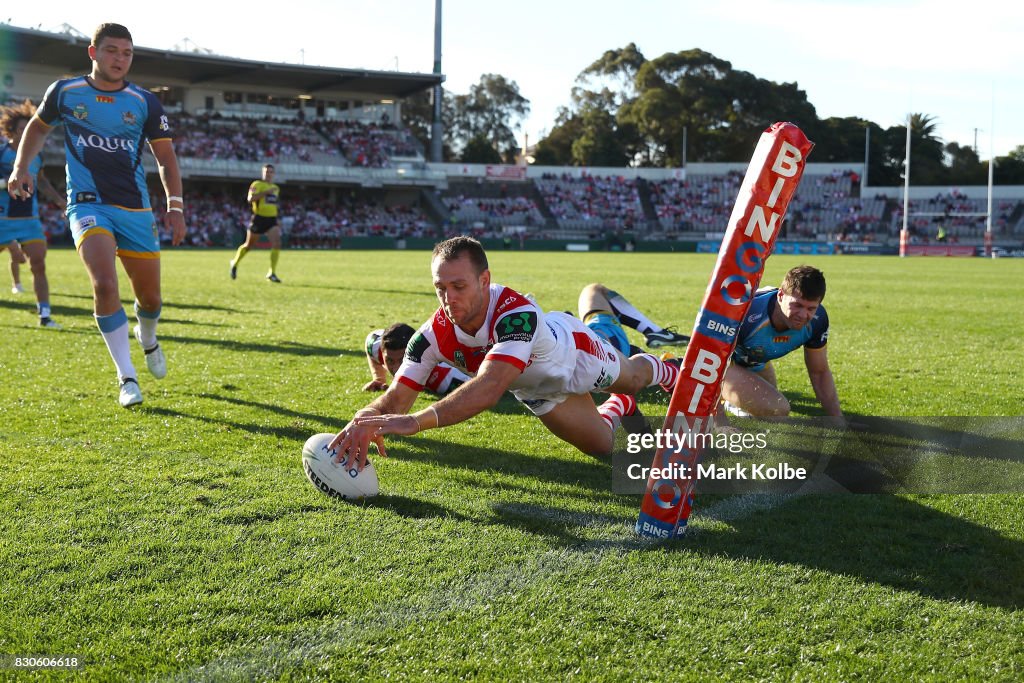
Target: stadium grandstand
point(353, 176)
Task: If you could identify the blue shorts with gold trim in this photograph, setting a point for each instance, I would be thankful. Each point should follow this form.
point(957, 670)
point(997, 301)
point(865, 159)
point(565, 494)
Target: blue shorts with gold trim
point(608, 326)
point(21, 230)
point(134, 230)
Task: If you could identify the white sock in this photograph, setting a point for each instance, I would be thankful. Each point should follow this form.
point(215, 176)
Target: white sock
point(147, 325)
point(114, 328)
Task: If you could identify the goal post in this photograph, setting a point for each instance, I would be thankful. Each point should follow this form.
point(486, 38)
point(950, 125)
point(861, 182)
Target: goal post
point(907, 214)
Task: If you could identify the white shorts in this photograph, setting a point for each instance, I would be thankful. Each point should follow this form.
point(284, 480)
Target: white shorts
point(596, 368)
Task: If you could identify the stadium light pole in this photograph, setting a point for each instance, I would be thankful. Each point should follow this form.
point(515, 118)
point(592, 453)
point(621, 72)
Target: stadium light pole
point(437, 127)
point(867, 157)
point(989, 251)
point(905, 232)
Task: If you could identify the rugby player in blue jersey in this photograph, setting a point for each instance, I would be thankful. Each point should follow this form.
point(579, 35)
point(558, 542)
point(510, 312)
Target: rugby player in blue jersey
point(780, 321)
point(105, 120)
point(19, 218)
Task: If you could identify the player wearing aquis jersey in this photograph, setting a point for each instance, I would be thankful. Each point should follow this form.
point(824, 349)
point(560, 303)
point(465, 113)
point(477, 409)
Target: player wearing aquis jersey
point(263, 199)
point(780, 321)
point(105, 120)
point(551, 362)
point(385, 350)
point(20, 228)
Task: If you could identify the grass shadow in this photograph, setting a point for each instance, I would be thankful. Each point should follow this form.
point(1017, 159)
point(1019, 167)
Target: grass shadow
point(268, 407)
point(592, 475)
point(413, 508)
point(295, 432)
point(28, 303)
point(887, 540)
point(128, 303)
point(507, 405)
point(285, 347)
point(881, 539)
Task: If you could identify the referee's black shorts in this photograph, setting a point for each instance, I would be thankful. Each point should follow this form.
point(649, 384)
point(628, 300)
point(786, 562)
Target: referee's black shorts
point(262, 224)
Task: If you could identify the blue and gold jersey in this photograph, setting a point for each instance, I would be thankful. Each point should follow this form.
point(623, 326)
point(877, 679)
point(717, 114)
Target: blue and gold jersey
point(17, 208)
point(759, 341)
point(104, 132)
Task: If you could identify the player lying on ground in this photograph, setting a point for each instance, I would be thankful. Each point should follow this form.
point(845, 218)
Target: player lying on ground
point(780, 321)
point(385, 350)
point(551, 362)
point(601, 309)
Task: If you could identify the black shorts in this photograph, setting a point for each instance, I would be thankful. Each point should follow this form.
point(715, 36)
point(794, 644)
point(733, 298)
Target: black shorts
point(262, 224)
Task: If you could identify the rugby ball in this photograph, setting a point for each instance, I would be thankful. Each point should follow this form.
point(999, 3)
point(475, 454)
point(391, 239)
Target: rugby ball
point(337, 480)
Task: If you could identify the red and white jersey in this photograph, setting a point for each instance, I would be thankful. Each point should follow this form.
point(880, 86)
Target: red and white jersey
point(515, 331)
point(441, 380)
point(374, 345)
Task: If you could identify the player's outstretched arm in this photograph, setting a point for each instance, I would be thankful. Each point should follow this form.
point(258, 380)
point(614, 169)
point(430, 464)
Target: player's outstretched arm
point(473, 397)
point(170, 176)
point(21, 184)
point(355, 438)
point(822, 381)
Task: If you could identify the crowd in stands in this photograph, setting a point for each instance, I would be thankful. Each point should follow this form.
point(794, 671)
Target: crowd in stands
point(320, 223)
point(591, 201)
point(701, 203)
point(213, 220)
point(823, 205)
point(367, 145)
point(825, 210)
point(495, 212)
point(944, 217)
point(261, 140)
point(831, 205)
point(278, 139)
point(221, 220)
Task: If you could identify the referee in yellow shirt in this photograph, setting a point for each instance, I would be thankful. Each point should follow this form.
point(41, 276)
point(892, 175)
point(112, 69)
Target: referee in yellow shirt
point(263, 197)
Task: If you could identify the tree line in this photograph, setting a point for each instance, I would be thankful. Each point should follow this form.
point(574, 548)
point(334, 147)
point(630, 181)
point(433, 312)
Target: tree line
point(626, 110)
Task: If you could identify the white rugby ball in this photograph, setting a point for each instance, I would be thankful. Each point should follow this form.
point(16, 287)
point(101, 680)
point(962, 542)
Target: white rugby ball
point(337, 480)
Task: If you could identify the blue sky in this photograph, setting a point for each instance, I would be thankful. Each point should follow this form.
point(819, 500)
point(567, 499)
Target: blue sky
point(962, 63)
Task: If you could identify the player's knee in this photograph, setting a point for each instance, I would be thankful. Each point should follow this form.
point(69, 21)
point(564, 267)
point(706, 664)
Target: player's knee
point(149, 302)
point(779, 408)
point(634, 377)
point(599, 447)
point(105, 287)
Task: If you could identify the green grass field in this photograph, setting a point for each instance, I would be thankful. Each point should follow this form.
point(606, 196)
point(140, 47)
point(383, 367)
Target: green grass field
point(180, 540)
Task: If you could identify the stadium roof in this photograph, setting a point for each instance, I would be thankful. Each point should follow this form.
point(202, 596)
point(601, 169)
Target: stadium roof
point(65, 52)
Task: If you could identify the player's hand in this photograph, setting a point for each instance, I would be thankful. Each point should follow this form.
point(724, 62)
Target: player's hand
point(354, 442)
point(375, 385)
point(402, 425)
point(20, 184)
point(175, 222)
